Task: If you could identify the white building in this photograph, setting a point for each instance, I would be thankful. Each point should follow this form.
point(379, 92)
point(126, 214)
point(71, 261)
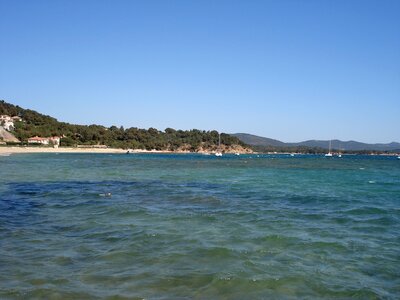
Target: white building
point(16, 119)
point(5, 118)
point(55, 140)
point(8, 125)
point(7, 122)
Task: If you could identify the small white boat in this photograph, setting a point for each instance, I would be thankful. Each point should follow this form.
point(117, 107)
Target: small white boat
point(340, 152)
point(237, 153)
point(219, 153)
point(329, 154)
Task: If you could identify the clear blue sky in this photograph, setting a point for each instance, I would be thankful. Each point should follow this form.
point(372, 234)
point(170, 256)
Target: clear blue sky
point(290, 70)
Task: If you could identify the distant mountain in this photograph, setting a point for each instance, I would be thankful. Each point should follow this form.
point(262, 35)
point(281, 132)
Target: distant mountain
point(255, 140)
point(349, 145)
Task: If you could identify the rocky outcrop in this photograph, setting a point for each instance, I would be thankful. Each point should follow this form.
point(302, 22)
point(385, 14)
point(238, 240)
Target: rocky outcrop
point(213, 149)
point(7, 136)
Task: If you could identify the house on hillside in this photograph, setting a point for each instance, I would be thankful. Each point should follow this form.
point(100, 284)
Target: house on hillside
point(4, 118)
point(7, 122)
point(8, 125)
point(55, 140)
point(17, 119)
point(38, 140)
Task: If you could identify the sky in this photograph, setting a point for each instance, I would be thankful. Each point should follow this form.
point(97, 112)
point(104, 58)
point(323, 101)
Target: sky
point(289, 70)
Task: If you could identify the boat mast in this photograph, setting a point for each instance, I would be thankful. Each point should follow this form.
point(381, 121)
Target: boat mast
point(219, 153)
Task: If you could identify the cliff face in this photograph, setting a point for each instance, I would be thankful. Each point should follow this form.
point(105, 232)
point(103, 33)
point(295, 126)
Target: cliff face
point(7, 136)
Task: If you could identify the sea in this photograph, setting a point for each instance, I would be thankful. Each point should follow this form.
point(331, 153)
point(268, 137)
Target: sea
point(192, 226)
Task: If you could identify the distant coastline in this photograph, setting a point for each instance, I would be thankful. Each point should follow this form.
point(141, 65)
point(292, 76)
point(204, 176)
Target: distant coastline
point(27, 128)
point(8, 150)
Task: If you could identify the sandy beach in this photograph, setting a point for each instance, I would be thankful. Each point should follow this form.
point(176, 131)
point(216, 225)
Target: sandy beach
point(14, 150)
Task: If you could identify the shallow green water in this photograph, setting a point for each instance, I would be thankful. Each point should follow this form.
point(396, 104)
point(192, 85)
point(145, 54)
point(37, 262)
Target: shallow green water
point(193, 226)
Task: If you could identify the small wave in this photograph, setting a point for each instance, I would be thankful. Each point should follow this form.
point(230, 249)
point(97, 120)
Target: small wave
point(214, 253)
point(318, 246)
point(278, 240)
point(48, 293)
point(63, 260)
point(367, 210)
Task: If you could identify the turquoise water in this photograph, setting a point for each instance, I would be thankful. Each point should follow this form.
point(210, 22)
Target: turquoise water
point(194, 226)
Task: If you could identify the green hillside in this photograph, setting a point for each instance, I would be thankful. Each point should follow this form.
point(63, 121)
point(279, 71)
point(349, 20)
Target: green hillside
point(255, 140)
point(38, 124)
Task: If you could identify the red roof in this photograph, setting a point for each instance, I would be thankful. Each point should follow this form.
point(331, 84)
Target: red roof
point(38, 138)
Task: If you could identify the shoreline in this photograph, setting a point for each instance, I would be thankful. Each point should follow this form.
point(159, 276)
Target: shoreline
point(7, 150)
point(14, 150)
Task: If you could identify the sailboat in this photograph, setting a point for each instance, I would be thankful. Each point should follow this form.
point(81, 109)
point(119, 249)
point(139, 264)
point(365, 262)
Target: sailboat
point(340, 153)
point(219, 153)
point(329, 154)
